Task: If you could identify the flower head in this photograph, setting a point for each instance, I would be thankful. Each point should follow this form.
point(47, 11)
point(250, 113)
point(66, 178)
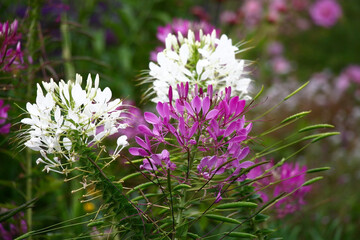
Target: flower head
point(209, 123)
point(67, 117)
point(325, 13)
point(209, 61)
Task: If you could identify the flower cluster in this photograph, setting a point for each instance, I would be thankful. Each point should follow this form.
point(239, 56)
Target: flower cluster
point(4, 127)
point(182, 26)
point(209, 126)
point(11, 56)
point(287, 178)
point(209, 61)
point(68, 118)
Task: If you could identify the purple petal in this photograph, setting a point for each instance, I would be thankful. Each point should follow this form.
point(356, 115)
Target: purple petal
point(240, 106)
point(189, 109)
point(151, 118)
point(159, 108)
point(141, 143)
point(145, 130)
point(135, 151)
point(212, 114)
point(205, 105)
point(230, 129)
point(196, 104)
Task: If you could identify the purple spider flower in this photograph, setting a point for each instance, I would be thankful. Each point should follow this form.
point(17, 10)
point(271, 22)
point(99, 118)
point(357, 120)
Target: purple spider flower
point(290, 177)
point(4, 127)
point(11, 56)
point(212, 124)
point(325, 13)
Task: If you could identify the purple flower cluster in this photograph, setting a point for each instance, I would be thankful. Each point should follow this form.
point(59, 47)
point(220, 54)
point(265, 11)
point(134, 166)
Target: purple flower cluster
point(4, 127)
point(278, 62)
point(288, 177)
point(11, 56)
point(15, 228)
point(182, 26)
point(325, 13)
point(209, 125)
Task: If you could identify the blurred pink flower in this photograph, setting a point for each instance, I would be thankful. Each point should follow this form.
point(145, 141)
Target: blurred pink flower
point(4, 128)
point(275, 48)
point(289, 177)
point(280, 65)
point(325, 13)
point(200, 13)
point(229, 17)
point(252, 10)
point(353, 73)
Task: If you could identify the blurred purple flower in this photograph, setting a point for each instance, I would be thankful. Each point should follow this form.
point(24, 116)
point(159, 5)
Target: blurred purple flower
point(353, 73)
point(275, 48)
point(54, 8)
point(325, 13)
point(11, 56)
point(4, 128)
point(14, 228)
point(200, 13)
point(289, 177)
point(280, 65)
point(229, 17)
point(252, 11)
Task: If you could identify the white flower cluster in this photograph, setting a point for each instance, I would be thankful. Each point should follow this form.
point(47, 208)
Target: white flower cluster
point(67, 117)
point(208, 61)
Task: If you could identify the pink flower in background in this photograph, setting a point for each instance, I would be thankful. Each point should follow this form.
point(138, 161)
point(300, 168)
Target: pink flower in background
point(11, 56)
point(280, 65)
point(182, 26)
point(252, 11)
point(200, 13)
point(325, 13)
point(4, 128)
point(290, 177)
point(353, 73)
point(275, 48)
point(229, 17)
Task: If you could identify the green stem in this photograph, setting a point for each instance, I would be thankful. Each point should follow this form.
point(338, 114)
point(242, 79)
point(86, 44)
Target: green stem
point(30, 46)
point(66, 47)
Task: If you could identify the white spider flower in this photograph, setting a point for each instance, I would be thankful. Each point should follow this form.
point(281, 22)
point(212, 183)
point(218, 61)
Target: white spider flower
point(211, 60)
point(69, 117)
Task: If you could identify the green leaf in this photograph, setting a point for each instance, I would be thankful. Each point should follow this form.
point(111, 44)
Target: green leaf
point(236, 205)
point(311, 181)
point(96, 223)
point(240, 235)
point(141, 186)
point(130, 176)
point(181, 186)
point(8, 214)
point(295, 116)
point(313, 170)
point(193, 235)
point(325, 135)
point(296, 91)
point(222, 218)
point(316, 126)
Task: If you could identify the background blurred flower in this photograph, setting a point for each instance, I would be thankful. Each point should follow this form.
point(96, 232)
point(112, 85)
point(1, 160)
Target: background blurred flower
point(4, 128)
point(11, 56)
point(325, 13)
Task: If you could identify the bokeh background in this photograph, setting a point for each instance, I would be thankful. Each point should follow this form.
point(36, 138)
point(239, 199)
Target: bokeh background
point(289, 43)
